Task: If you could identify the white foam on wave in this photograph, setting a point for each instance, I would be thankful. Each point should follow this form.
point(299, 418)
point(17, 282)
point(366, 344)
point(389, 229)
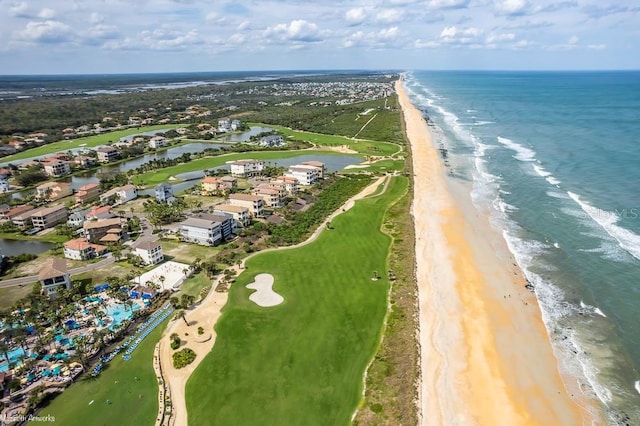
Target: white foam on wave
point(592, 309)
point(522, 153)
point(637, 385)
point(590, 371)
point(553, 181)
point(626, 239)
point(471, 111)
point(540, 170)
point(560, 195)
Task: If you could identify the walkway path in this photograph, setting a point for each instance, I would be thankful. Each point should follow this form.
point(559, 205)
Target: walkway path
point(75, 271)
point(206, 314)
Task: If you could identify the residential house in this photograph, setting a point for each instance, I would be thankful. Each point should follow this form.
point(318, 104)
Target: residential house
point(99, 212)
point(306, 175)
point(322, 170)
point(119, 195)
point(205, 232)
point(272, 141)
point(56, 168)
point(157, 142)
point(246, 168)
point(48, 217)
point(236, 125)
point(84, 161)
point(228, 226)
point(53, 275)
point(216, 185)
point(7, 150)
point(12, 213)
point(104, 230)
point(4, 183)
point(88, 193)
point(254, 203)
point(22, 220)
point(238, 213)
point(164, 193)
point(76, 219)
point(224, 126)
point(290, 184)
point(149, 251)
point(107, 154)
point(4, 209)
point(271, 196)
point(80, 249)
point(53, 190)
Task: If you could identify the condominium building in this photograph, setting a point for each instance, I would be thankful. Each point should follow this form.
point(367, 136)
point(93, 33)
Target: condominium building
point(56, 168)
point(107, 154)
point(88, 193)
point(253, 203)
point(306, 175)
point(53, 275)
point(201, 231)
point(104, 230)
point(53, 190)
point(246, 168)
point(48, 217)
point(119, 195)
point(271, 196)
point(149, 251)
point(238, 213)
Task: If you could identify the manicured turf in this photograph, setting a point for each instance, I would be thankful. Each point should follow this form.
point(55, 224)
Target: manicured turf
point(132, 402)
point(302, 362)
point(162, 175)
point(379, 166)
point(362, 146)
point(88, 141)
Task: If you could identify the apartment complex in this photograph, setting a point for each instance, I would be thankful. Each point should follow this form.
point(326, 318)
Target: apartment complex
point(253, 203)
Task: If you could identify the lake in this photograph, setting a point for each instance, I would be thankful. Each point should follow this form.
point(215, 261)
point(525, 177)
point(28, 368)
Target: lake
point(16, 247)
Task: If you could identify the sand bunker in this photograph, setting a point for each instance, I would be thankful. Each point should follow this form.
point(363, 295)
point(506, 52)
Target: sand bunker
point(356, 166)
point(264, 295)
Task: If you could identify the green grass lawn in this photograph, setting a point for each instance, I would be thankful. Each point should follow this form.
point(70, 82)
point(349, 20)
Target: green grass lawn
point(133, 402)
point(302, 362)
point(379, 166)
point(365, 147)
point(162, 175)
point(88, 141)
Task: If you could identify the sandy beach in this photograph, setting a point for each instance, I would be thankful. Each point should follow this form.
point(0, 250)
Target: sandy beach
point(485, 357)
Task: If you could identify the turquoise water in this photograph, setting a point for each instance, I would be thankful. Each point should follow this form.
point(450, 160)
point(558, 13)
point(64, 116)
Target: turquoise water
point(554, 158)
point(120, 313)
point(13, 356)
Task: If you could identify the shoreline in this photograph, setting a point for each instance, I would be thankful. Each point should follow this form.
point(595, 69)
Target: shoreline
point(485, 356)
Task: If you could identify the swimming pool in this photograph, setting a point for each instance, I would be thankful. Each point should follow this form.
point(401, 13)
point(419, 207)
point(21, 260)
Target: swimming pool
point(120, 312)
point(13, 356)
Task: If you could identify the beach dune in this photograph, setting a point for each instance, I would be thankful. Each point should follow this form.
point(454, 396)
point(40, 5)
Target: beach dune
point(485, 357)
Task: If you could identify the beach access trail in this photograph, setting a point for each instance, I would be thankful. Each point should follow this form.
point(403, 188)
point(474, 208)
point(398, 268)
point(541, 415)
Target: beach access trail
point(485, 357)
point(206, 314)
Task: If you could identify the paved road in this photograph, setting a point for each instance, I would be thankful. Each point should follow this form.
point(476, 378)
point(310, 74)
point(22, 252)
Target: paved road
point(32, 279)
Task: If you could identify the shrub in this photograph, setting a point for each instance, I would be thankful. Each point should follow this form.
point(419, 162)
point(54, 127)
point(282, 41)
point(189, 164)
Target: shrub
point(200, 330)
point(183, 358)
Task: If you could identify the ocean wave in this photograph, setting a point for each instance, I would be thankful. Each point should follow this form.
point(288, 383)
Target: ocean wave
point(637, 385)
point(470, 111)
point(555, 194)
point(522, 153)
point(589, 370)
point(592, 309)
point(626, 239)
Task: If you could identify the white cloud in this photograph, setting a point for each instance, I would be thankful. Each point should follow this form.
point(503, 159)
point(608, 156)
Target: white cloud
point(158, 39)
point(96, 18)
point(214, 17)
point(454, 35)
point(46, 32)
point(20, 10)
point(385, 37)
point(447, 4)
point(499, 38)
point(298, 30)
point(46, 13)
point(573, 40)
point(425, 44)
point(512, 7)
point(389, 16)
point(244, 25)
point(522, 44)
point(355, 16)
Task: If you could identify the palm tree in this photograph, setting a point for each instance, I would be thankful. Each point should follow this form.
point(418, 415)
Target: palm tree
point(5, 349)
point(180, 313)
point(162, 278)
point(80, 344)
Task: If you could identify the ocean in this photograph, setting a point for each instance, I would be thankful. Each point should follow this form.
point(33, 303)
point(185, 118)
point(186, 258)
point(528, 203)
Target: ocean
point(554, 159)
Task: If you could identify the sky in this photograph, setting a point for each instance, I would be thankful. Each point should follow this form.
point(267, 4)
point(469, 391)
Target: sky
point(142, 36)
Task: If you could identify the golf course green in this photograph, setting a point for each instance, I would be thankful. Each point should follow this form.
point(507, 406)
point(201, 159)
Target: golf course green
point(302, 362)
